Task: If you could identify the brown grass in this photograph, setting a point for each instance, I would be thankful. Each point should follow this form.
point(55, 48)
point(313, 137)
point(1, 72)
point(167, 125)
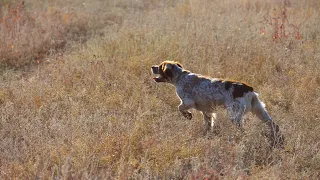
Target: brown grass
point(89, 108)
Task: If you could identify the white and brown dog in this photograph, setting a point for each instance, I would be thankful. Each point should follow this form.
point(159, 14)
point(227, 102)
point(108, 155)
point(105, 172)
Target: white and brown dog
point(205, 93)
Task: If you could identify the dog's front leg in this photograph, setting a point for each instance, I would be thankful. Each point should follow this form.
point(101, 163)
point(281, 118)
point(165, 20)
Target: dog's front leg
point(184, 107)
point(235, 112)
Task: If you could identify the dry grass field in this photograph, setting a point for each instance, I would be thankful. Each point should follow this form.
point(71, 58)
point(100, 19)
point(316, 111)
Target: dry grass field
point(77, 100)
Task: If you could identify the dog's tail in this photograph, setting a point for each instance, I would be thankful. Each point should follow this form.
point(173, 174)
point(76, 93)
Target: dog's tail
point(258, 108)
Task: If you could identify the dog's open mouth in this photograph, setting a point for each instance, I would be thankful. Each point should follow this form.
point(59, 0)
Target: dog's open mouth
point(159, 79)
point(155, 70)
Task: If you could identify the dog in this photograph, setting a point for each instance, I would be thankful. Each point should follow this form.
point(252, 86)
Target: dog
point(204, 94)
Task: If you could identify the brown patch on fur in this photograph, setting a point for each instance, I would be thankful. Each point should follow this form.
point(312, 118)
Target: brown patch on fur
point(167, 72)
point(162, 71)
point(239, 88)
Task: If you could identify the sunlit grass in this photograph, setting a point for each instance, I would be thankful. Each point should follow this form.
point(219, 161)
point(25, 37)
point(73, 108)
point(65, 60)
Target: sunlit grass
point(89, 109)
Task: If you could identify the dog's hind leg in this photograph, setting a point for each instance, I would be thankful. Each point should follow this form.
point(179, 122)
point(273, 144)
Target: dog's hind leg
point(236, 111)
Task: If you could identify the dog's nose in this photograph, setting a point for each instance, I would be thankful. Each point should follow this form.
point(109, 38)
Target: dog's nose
point(154, 69)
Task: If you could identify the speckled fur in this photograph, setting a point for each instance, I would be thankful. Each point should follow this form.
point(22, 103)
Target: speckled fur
point(205, 93)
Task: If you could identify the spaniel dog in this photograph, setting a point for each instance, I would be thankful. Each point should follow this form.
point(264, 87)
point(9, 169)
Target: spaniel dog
point(205, 93)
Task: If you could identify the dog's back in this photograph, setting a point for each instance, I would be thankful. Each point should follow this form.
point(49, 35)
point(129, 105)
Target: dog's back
point(239, 88)
point(204, 93)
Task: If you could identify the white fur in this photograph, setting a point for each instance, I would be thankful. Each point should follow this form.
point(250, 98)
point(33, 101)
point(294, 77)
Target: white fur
point(204, 93)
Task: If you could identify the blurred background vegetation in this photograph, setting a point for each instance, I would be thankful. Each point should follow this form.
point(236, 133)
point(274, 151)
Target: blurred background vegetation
point(77, 99)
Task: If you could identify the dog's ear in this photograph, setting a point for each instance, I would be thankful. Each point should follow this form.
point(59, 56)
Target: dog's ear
point(167, 72)
point(178, 64)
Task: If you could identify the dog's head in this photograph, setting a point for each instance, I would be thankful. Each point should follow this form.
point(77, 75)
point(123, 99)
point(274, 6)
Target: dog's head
point(167, 70)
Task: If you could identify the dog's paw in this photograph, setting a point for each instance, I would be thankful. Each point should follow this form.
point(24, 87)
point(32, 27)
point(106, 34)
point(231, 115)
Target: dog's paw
point(187, 115)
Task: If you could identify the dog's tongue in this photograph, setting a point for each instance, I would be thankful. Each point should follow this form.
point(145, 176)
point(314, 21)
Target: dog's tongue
point(155, 79)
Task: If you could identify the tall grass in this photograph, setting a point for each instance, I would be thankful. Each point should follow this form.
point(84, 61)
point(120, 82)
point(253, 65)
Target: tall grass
point(92, 110)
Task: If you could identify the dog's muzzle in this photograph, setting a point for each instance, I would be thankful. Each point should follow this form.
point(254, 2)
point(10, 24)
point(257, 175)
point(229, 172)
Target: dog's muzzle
point(155, 69)
point(160, 78)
